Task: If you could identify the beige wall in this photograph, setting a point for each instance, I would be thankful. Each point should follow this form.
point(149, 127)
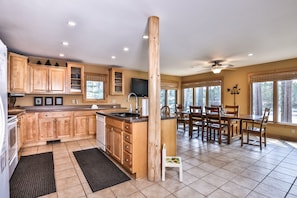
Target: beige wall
point(230, 78)
point(240, 76)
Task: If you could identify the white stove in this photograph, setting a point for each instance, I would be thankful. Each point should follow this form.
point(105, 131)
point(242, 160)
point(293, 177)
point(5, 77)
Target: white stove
point(12, 143)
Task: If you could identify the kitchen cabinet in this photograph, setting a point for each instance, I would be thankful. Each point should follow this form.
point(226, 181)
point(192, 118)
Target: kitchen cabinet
point(116, 81)
point(84, 123)
point(47, 79)
point(75, 78)
point(55, 125)
point(135, 148)
point(21, 128)
point(114, 138)
point(30, 133)
point(17, 73)
point(168, 135)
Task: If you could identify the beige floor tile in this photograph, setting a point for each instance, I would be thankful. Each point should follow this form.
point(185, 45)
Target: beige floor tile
point(269, 191)
point(187, 192)
point(188, 178)
point(141, 183)
point(72, 192)
point(197, 172)
point(52, 195)
point(124, 189)
point(235, 189)
point(220, 194)
point(105, 193)
point(214, 180)
point(245, 182)
point(225, 174)
point(276, 183)
point(155, 191)
point(68, 182)
point(203, 187)
point(64, 166)
point(172, 185)
point(65, 173)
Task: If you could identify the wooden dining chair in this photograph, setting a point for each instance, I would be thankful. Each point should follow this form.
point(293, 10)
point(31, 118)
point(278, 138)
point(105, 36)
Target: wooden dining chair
point(256, 128)
point(181, 116)
point(215, 126)
point(165, 111)
point(197, 120)
point(234, 111)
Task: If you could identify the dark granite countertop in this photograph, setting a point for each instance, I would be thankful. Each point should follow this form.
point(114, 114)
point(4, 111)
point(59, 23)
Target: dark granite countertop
point(132, 119)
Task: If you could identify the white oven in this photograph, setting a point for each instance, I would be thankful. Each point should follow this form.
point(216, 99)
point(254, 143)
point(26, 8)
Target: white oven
point(12, 143)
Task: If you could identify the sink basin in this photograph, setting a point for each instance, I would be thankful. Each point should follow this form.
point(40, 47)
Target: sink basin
point(125, 114)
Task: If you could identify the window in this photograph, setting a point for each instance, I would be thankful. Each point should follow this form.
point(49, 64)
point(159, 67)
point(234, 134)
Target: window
point(168, 97)
point(95, 87)
point(277, 91)
point(168, 94)
point(204, 93)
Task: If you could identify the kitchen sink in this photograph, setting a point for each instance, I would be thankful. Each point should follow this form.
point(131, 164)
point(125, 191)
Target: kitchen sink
point(125, 114)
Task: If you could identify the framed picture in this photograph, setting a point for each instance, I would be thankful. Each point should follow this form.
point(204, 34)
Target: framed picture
point(58, 100)
point(48, 100)
point(38, 101)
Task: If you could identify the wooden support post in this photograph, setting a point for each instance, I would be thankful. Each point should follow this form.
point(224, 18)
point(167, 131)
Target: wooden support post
point(154, 122)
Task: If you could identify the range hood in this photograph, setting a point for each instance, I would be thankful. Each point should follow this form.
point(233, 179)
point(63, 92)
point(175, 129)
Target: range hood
point(16, 94)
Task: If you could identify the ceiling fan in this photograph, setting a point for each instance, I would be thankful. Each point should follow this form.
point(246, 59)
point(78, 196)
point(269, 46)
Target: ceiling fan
point(217, 66)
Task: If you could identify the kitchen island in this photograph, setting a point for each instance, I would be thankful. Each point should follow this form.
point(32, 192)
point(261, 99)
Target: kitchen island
point(126, 140)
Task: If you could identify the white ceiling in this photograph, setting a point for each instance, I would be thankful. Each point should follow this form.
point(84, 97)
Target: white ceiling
point(192, 32)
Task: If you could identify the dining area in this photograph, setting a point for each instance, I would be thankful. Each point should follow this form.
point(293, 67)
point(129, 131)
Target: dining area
point(223, 124)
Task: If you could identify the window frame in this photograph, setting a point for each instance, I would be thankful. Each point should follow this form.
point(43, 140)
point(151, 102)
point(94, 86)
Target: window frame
point(104, 78)
point(203, 83)
point(275, 76)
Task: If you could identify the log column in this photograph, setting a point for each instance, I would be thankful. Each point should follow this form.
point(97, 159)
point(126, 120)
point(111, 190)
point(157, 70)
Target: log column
point(154, 122)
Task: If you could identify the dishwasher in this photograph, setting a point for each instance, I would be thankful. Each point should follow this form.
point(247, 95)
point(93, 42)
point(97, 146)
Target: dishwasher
point(100, 131)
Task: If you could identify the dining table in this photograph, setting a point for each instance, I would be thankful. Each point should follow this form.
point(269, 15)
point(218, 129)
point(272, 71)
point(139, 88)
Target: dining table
point(229, 118)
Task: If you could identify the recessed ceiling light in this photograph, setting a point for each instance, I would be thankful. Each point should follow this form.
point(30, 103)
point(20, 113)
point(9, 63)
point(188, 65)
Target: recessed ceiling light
point(126, 49)
point(145, 37)
point(61, 55)
point(113, 57)
point(65, 43)
point(250, 54)
point(71, 23)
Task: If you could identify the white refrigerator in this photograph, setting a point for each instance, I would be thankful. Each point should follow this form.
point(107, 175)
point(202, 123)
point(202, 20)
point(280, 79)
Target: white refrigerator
point(4, 168)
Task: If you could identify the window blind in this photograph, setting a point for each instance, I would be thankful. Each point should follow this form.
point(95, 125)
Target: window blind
point(202, 83)
point(95, 77)
point(288, 75)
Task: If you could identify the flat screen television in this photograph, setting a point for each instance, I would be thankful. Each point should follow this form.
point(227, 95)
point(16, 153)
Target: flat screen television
point(139, 87)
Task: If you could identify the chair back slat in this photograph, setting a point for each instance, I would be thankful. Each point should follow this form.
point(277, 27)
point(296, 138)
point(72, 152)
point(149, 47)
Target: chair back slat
point(232, 110)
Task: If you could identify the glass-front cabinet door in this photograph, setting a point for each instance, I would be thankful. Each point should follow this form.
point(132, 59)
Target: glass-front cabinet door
point(75, 78)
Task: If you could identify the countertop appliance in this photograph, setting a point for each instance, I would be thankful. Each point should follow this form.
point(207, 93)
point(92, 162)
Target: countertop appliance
point(4, 167)
point(100, 131)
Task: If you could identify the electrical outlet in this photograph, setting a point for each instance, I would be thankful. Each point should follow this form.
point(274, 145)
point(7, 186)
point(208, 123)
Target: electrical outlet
point(73, 101)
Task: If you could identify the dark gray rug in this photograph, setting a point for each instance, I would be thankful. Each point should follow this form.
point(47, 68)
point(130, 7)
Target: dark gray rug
point(99, 171)
point(34, 176)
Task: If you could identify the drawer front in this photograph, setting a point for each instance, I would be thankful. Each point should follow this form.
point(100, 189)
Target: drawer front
point(54, 114)
point(128, 127)
point(127, 147)
point(128, 137)
point(116, 123)
point(127, 161)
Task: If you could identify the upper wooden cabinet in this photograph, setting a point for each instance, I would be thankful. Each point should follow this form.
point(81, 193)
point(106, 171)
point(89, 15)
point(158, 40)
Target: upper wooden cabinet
point(17, 73)
point(75, 78)
point(116, 81)
point(47, 79)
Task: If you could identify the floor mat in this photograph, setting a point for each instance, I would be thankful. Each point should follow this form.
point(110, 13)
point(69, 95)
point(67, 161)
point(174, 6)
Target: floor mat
point(34, 176)
point(99, 171)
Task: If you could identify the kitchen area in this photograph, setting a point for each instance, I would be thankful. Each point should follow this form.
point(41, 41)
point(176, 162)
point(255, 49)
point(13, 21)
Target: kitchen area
point(56, 111)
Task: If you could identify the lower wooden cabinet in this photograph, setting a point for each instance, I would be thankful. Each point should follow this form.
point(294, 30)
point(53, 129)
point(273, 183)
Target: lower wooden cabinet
point(55, 125)
point(84, 123)
point(114, 137)
point(30, 133)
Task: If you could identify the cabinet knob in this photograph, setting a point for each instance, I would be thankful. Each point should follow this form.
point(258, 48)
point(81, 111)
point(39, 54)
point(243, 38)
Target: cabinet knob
point(127, 160)
point(127, 127)
point(127, 146)
point(127, 137)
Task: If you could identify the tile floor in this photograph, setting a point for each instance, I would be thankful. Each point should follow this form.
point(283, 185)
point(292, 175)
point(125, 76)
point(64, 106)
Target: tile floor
point(210, 170)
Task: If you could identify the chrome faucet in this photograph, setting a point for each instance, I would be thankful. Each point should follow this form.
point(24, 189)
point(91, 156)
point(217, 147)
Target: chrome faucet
point(136, 102)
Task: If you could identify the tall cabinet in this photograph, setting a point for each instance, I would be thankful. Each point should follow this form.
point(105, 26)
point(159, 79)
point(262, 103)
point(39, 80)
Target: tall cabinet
point(116, 81)
point(17, 73)
point(75, 84)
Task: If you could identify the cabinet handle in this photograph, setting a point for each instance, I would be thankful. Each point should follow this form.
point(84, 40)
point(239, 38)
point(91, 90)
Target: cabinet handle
point(127, 146)
point(127, 127)
point(127, 160)
point(127, 137)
